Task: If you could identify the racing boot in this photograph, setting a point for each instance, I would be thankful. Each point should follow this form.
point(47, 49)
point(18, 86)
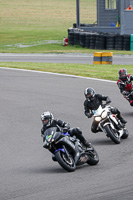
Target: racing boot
point(123, 121)
point(87, 145)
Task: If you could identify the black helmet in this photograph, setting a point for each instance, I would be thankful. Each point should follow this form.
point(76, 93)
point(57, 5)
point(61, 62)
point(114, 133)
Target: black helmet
point(123, 74)
point(89, 93)
point(47, 118)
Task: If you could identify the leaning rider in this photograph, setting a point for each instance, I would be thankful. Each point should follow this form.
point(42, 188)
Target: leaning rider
point(125, 85)
point(93, 101)
point(48, 121)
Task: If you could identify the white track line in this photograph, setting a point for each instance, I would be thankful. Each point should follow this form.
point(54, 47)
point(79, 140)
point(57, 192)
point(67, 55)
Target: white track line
point(58, 74)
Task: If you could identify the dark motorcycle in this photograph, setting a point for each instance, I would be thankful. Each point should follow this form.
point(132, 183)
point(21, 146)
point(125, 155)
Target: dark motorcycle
point(67, 150)
point(110, 124)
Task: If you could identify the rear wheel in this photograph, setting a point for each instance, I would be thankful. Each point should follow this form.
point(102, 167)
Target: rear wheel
point(66, 162)
point(113, 134)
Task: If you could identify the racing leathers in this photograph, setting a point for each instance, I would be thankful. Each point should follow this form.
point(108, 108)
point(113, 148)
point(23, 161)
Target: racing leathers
point(126, 88)
point(94, 104)
point(66, 127)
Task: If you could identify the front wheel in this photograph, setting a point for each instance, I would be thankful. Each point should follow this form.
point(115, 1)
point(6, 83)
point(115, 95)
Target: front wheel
point(113, 134)
point(65, 162)
point(93, 157)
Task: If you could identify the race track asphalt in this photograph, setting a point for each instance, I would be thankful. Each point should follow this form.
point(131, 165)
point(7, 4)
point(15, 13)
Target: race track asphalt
point(27, 171)
point(79, 58)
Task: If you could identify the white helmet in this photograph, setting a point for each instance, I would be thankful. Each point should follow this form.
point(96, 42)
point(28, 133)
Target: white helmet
point(47, 118)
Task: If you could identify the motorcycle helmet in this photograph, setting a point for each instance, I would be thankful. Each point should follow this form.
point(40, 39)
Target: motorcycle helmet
point(123, 74)
point(47, 118)
point(89, 94)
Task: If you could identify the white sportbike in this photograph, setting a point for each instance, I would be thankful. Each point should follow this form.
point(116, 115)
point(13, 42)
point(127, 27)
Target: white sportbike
point(110, 124)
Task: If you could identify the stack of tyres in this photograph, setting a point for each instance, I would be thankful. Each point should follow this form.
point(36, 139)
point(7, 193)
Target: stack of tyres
point(107, 57)
point(93, 40)
point(97, 58)
point(88, 37)
point(110, 42)
point(118, 42)
point(76, 38)
point(126, 42)
point(82, 39)
point(100, 41)
point(71, 38)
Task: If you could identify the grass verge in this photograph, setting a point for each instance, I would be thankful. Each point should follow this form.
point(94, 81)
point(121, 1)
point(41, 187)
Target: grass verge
point(108, 72)
point(26, 25)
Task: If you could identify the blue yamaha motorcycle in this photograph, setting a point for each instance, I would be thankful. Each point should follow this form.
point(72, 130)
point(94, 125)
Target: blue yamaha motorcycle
point(68, 151)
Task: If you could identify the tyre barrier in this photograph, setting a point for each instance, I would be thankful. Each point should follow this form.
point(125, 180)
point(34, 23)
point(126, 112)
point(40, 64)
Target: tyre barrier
point(97, 58)
point(102, 57)
point(76, 38)
point(107, 57)
point(100, 41)
point(71, 38)
point(110, 42)
point(88, 38)
point(126, 42)
point(82, 39)
point(118, 42)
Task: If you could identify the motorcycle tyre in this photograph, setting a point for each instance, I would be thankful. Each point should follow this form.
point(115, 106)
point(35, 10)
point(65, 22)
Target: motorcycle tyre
point(62, 162)
point(110, 134)
point(93, 160)
point(125, 135)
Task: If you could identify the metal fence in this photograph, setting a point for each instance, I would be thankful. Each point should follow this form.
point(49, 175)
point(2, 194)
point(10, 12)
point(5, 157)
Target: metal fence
point(88, 11)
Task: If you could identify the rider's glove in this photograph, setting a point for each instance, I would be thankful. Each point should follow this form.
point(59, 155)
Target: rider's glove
point(66, 127)
point(125, 93)
point(108, 100)
point(42, 134)
point(89, 115)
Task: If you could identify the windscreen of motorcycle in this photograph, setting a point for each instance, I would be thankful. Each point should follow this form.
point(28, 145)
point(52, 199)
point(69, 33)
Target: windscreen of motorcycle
point(98, 111)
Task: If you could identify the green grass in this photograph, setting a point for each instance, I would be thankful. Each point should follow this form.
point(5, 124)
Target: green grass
point(108, 72)
point(33, 22)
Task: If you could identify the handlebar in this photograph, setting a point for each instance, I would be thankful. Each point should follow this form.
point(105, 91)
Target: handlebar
point(104, 105)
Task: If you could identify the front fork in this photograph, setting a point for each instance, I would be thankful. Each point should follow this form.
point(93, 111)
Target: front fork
point(67, 154)
point(120, 131)
point(104, 123)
